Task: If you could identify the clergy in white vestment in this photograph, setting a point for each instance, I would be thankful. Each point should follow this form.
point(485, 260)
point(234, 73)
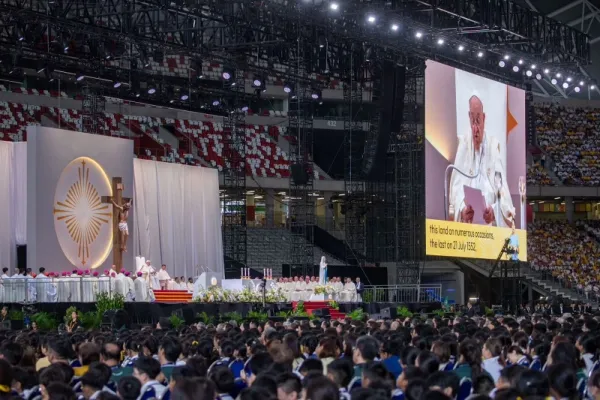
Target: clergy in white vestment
point(129, 287)
point(163, 277)
point(75, 285)
point(141, 288)
point(104, 285)
point(63, 288)
point(479, 155)
point(90, 287)
point(5, 273)
point(190, 285)
point(349, 292)
point(42, 282)
point(323, 271)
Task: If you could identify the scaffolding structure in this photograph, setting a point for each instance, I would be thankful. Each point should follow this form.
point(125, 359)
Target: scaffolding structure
point(301, 203)
point(92, 111)
point(409, 149)
point(354, 206)
point(233, 197)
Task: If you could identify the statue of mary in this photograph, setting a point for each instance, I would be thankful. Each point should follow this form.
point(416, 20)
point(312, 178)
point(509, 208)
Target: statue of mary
point(323, 271)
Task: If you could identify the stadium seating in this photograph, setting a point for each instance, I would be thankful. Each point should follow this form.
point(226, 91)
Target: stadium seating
point(264, 157)
point(567, 254)
point(570, 136)
point(537, 175)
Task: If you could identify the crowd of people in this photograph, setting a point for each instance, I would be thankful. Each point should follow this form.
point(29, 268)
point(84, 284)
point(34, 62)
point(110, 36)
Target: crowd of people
point(306, 288)
point(570, 136)
point(538, 175)
point(534, 356)
point(566, 253)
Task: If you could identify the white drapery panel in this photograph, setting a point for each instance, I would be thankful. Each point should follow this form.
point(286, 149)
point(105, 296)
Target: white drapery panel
point(8, 251)
point(20, 192)
point(177, 217)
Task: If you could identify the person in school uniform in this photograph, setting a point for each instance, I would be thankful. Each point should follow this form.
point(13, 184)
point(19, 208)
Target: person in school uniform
point(146, 370)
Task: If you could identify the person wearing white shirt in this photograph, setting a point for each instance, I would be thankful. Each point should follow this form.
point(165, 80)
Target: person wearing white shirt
point(5, 273)
point(492, 351)
point(163, 277)
point(190, 285)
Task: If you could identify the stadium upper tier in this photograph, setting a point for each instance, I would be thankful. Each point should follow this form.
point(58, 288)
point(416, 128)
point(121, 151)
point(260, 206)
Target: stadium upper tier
point(570, 138)
point(567, 253)
point(164, 139)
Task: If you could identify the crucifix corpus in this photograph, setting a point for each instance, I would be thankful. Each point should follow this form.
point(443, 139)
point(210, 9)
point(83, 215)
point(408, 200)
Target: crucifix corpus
point(120, 217)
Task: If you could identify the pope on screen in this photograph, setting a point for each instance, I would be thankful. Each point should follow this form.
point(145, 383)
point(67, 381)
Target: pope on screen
point(479, 156)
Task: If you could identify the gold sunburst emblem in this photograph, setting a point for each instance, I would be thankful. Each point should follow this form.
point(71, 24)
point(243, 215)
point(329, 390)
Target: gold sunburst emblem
point(83, 212)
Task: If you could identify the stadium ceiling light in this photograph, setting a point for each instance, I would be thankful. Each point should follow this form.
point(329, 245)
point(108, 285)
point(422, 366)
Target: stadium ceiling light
point(440, 41)
point(593, 87)
point(516, 68)
point(80, 78)
point(507, 57)
point(117, 85)
point(418, 35)
point(529, 73)
point(502, 64)
point(558, 75)
point(257, 82)
point(245, 108)
point(577, 89)
point(216, 103)
point(334, 6)
point(520, 62)
point(226, 76)
point(554, 81)
point(185, 97)
point(533, 66)
point(546, 71)
point(569, 79)
point(371, 19)
point(395, 27)
point(461, 47)
point(581, 83)
point(480, 54)
point(151, 91)
point(565, 85)
point(538, 77)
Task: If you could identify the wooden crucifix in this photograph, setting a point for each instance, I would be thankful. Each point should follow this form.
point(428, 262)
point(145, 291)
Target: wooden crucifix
point(121, 210)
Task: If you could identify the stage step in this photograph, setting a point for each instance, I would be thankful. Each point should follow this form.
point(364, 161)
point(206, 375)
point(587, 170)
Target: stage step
point(310, 306)
point(172, 296)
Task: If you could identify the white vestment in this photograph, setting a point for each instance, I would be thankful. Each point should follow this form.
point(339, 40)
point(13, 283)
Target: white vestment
point(163, 275)
point(74, 283)
point(104, 284)
point(141, 290)
point(130, 287)
point(486, 164)
point(90, 287)
point(42, 287)
point(323, 271)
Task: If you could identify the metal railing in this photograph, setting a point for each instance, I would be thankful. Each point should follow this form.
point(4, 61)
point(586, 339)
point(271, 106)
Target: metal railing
point(402, 293)
point(560, 283)
point(64, 290)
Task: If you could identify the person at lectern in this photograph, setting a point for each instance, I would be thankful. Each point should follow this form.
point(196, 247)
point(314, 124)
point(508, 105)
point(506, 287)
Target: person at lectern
point(478, 165)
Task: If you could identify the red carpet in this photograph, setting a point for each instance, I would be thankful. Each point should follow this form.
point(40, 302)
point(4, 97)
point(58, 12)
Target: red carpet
point(172, 296)
point(310, 306)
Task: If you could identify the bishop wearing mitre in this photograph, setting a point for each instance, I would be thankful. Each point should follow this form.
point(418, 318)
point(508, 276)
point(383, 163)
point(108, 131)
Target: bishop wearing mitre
point(163, 277)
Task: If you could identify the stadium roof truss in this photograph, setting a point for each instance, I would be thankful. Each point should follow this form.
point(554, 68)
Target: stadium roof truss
point(256, 35)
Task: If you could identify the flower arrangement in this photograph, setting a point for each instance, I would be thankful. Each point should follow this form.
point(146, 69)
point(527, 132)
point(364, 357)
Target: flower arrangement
point(324, 289)
point(216, 294)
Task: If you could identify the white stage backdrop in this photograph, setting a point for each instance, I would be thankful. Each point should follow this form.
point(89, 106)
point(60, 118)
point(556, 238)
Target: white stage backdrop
point(177, 217)
point(13, 197)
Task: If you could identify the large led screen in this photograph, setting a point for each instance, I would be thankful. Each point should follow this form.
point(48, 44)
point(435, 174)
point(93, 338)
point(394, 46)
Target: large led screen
point(475, 165)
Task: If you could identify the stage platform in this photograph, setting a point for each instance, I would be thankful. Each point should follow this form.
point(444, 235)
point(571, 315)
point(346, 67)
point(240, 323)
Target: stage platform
point(149, 313)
